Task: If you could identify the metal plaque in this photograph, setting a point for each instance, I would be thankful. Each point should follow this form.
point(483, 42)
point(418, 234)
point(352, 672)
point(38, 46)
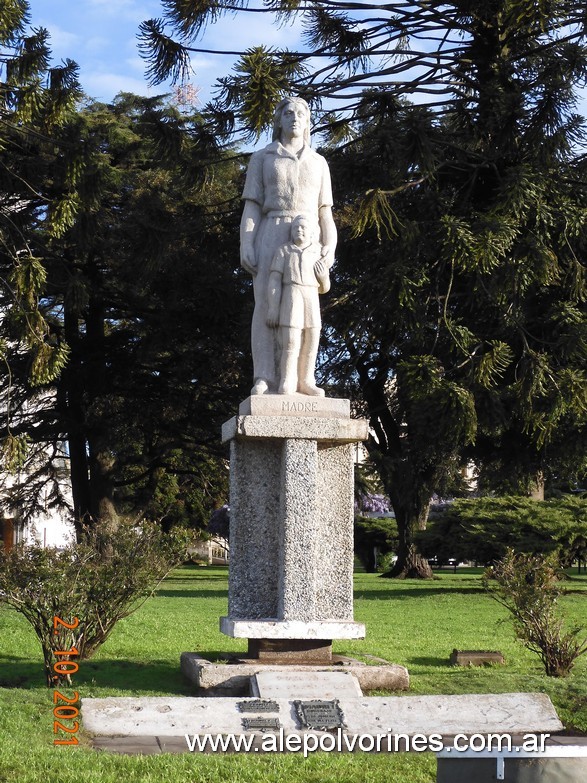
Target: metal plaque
point(319, 714)
point(261, 724)
point(258, 705)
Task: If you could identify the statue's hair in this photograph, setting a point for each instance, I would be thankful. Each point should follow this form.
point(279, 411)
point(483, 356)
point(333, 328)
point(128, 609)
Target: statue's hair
point(277, 117)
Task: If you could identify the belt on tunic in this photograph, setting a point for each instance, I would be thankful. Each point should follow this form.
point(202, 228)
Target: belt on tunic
point(290, 213)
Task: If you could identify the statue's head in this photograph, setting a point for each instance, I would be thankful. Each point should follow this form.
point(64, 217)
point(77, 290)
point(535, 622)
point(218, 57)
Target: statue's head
point(303, 230)
point(279, 110)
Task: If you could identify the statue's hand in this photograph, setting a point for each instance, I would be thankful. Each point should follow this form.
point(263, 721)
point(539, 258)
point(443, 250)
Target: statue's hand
point(327, 255)
point(248, 260)
point(272, 319)
point(321, 269)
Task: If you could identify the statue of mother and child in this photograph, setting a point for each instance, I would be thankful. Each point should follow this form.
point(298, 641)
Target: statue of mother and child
point(288, 238)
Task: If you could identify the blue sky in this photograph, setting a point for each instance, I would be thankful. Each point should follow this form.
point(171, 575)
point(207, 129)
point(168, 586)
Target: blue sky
point(100, 35)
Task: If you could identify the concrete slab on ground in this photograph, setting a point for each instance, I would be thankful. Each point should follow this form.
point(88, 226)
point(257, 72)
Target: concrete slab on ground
point(305, 685)
point(163, 716)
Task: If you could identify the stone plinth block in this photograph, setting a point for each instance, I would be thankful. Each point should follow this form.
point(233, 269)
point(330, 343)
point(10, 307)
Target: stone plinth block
point(306, 427)
point(291, 629)
point(295, 405)
point(291, 518)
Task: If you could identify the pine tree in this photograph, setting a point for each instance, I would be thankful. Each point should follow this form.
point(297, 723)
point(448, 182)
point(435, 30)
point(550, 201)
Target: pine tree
point(35, 101)
point(437, 53)
point(142, 288)
point(458, 303)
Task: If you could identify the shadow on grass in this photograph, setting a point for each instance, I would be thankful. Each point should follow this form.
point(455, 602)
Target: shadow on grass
point(443, 663)
point(416, 592)
point(119, 675)
point(18, 672)
point(197, 578)
point(195, 592)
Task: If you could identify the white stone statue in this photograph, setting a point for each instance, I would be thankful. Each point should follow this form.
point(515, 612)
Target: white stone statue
point(284, 180)
point(298, 274)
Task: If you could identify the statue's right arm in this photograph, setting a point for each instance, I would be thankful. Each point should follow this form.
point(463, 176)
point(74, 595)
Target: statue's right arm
point(249, 225)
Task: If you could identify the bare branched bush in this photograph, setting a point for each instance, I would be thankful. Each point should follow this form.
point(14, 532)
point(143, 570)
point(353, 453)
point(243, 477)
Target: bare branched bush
point(529, 587)
point(90, 585)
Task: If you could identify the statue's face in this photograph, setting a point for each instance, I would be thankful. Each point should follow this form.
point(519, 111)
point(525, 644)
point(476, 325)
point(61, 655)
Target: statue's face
point(294, 119)
point(301, 232)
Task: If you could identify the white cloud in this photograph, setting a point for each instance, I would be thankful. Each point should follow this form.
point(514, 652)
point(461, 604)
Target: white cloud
point(104, 86)
point(241, 31)
point(62, 41)
point(130, 10)
point(96, 44)
point(136, 64)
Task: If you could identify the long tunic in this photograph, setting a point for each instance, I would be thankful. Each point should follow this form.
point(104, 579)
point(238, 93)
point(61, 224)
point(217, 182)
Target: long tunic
point(284, 185)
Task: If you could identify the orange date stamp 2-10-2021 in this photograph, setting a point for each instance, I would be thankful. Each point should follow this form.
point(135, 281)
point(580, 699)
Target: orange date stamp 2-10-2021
point(65, 709)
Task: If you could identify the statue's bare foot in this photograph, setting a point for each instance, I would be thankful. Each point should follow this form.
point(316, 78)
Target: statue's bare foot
point(286, 388)
point(310, 389)
point(261, 386)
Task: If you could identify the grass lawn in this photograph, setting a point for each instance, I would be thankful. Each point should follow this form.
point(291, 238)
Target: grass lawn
point(412, 623)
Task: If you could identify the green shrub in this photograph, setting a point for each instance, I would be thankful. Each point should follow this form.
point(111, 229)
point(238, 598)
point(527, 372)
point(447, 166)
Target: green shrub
point(483, 529)
point(374, 534)
point(89, 585)
point(529, 587)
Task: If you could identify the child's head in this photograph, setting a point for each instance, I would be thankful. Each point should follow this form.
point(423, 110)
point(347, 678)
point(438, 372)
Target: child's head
point(302, 230)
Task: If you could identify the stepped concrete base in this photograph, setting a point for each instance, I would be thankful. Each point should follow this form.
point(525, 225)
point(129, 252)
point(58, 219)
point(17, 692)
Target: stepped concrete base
point(291, 641)
point(234, 679)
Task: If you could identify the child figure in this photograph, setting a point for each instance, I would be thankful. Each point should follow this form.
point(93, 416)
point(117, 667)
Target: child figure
point(298, 273)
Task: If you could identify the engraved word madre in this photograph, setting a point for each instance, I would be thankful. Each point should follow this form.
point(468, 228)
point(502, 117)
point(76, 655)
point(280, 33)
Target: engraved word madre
point(293, 406)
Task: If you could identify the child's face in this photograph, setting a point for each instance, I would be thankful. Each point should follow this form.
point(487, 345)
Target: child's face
point(300, 232)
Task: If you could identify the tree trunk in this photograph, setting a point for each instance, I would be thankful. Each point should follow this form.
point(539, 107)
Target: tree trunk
point(536, 488)
point(71, 398)
point(409, 564)
point(407, 489)
point(101, 459)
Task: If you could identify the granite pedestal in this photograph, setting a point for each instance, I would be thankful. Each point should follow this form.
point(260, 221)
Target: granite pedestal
point(291, 526)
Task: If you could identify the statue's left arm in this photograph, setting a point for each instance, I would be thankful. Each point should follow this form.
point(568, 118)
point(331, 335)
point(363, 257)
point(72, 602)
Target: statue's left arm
point(328, 234)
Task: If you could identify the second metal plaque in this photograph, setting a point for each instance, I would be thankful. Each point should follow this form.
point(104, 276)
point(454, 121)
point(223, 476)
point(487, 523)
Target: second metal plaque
point(261, 724)
point(319, 714)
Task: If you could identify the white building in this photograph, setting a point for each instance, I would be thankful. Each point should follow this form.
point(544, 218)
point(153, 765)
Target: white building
point(48, 524)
